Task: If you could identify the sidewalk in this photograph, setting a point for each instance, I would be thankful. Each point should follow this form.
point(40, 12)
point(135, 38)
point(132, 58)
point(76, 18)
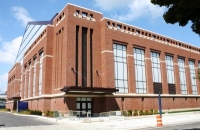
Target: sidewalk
point(141, 122)
point(128, 123)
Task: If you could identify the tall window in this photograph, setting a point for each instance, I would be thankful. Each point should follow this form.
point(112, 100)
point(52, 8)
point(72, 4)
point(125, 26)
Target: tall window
point(193, 77)
point(182, 75)
point(29, 79)
point(40, 74)
point(198, 71)
point(140, 75)
point(25, 83)
point(170, 69)
point(34, 74)
point(120, 68)
point(155, 60)
point(20, 93)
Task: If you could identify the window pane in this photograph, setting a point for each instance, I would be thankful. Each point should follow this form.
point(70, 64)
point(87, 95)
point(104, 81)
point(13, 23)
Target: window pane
point(83, 105)
point(78, 105)
point(120, 71)
point(89, 105)
point(89, 99)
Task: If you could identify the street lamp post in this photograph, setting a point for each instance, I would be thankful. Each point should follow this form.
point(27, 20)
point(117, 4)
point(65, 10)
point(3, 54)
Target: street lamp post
point(160, 104)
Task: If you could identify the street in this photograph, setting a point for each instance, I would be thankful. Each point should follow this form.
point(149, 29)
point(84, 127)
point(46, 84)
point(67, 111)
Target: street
point(188, 126)
point(10, 120)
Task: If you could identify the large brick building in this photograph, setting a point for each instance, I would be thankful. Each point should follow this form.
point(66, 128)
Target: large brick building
point(80, 60)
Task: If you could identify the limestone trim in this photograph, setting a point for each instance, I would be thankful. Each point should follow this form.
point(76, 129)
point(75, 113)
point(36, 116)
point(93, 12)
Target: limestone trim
point(47, 56)
point(147, 58)
point(107, 51)
point(44, 96)
point(130, 55)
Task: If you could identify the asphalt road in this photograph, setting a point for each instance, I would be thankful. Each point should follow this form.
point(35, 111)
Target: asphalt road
point(189, 126)
point(10, 120)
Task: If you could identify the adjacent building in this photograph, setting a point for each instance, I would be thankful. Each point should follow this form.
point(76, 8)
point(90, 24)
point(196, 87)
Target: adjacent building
point(80, 60)
point(2, 100)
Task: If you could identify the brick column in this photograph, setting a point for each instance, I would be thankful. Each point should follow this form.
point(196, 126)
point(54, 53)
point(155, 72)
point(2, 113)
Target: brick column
point(131, 69)
point(47, 78)
point(80, 57)
point(108, 79)
point(176, 76)
point(163, 73)
point(149, 77)
point(188, 77)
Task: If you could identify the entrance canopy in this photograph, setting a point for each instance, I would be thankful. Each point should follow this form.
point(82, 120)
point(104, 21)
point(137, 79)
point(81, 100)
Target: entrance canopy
point(86, 90)
point(14, 98)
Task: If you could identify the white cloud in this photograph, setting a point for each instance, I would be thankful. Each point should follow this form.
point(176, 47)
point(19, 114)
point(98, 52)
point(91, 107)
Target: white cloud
point(22, 15)
point(111, 4)
point(128, 10)
point(9, 50)
point(3, 82)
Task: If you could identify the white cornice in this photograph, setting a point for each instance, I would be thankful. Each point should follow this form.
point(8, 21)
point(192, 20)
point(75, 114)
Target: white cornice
point(44, 96)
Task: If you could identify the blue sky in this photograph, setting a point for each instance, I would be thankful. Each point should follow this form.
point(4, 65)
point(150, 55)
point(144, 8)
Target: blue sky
point(14, 15)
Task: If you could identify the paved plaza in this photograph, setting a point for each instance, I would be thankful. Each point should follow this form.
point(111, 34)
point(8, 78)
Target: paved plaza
point(29, 122)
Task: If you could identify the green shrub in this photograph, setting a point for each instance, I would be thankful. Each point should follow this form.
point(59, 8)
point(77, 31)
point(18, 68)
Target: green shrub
point(130, 112)
point(31, 112)
point(27, 112)
point(46, 113)
point(124, 113)
point(7, 109)
point(55, 114)
point(150, 112)
point(145, 112)
point(155, 112)
point(51, 114)
point(4, 109)
point(135, 113)
point(141, 112)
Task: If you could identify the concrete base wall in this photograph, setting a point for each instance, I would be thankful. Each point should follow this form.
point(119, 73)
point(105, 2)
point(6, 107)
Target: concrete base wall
point(104, 104)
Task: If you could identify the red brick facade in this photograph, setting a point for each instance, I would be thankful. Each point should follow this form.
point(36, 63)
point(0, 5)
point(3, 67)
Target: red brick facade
point(62, 44)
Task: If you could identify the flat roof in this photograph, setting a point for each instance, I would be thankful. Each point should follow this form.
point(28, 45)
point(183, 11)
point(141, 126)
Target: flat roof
point(32, 31)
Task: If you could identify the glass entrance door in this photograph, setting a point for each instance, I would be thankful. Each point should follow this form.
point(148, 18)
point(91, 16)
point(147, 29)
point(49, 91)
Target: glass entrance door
point(84, 105)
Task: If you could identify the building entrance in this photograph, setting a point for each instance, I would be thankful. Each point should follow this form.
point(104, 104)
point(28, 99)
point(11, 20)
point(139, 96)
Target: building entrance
point(84, 105)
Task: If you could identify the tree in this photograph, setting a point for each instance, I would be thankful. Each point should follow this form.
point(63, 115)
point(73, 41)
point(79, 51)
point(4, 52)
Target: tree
point(181, 11)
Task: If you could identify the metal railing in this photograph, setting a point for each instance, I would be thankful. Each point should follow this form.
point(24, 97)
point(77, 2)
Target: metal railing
point(113, 115)
point(73, 115)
